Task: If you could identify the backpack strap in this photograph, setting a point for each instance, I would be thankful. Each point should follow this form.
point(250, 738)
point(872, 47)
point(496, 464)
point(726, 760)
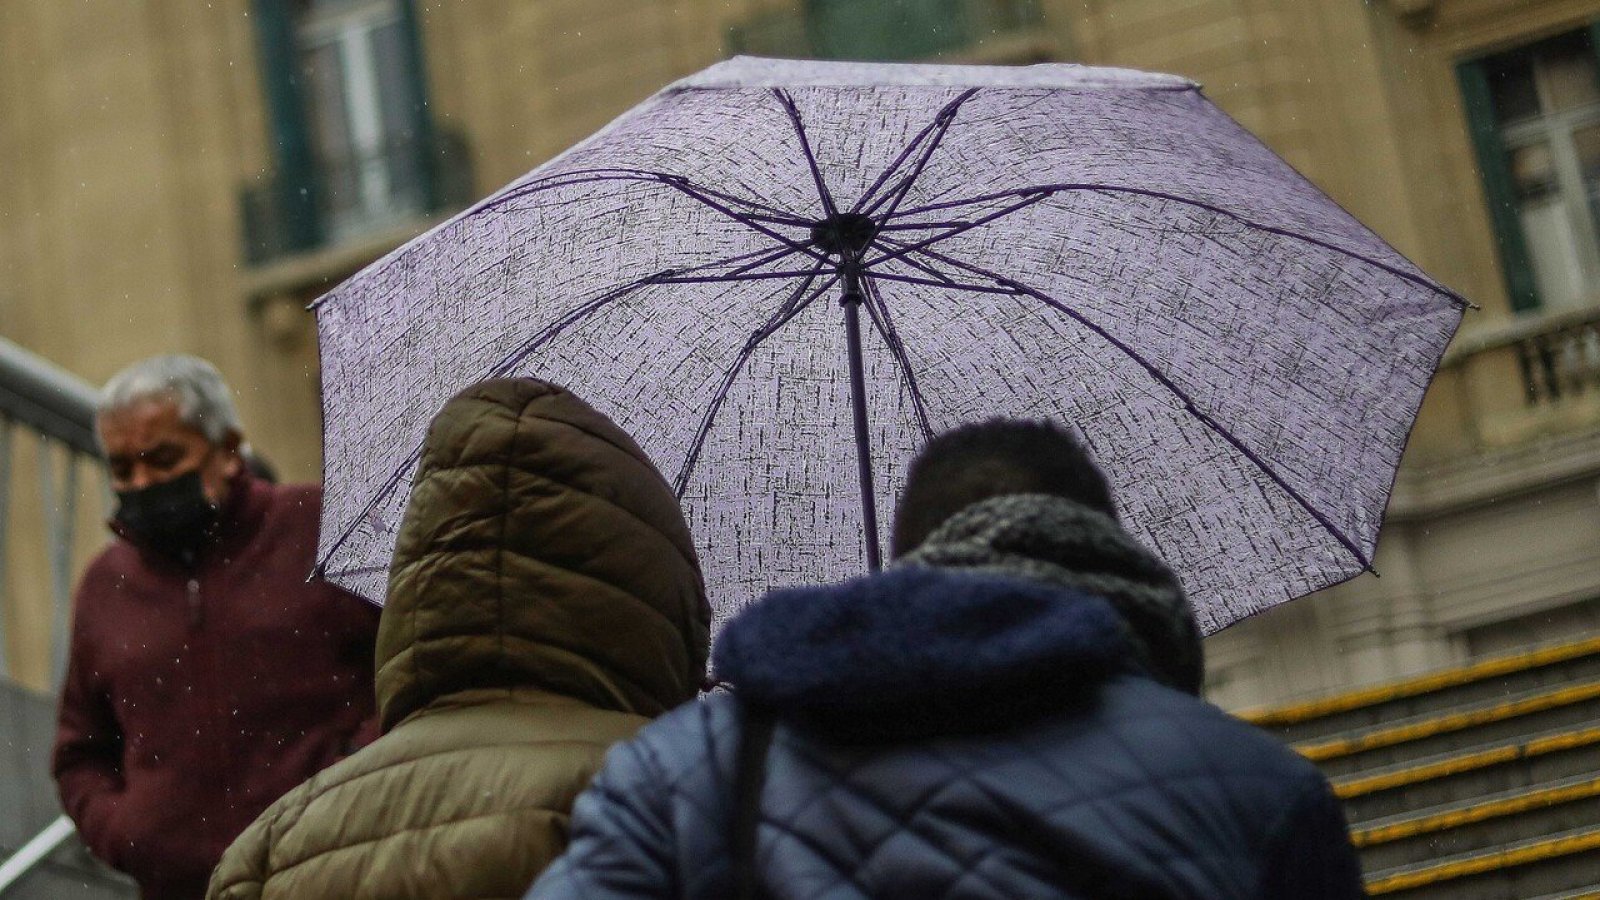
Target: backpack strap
point(749, 780)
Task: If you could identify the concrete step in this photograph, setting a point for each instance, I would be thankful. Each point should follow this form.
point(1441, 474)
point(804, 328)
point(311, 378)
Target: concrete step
point(1569, 861)
point(1488, 768)
point(1480, 823)
point(1488, 680)
point(1534, 710)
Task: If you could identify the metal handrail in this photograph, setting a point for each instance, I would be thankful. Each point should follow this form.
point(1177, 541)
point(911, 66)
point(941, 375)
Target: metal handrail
point(34, 851)
point(47, 398)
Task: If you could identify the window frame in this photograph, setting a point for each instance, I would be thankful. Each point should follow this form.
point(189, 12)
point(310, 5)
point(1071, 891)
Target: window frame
point(1492, 144)
point(278, 35)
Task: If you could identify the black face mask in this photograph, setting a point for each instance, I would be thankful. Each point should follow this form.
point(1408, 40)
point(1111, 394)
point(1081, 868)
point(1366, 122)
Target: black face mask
point(173, 518)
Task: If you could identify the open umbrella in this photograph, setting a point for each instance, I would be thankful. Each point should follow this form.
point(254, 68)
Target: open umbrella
point(782, 277)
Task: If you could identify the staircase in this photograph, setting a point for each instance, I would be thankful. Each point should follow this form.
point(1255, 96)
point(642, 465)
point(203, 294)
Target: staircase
point(1471, 783)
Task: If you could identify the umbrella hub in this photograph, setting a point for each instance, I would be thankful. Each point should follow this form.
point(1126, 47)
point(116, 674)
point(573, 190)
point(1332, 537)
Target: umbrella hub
point(844, 234)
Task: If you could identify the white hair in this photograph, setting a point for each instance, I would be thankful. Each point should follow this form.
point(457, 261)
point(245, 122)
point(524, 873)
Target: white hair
point(194, 385)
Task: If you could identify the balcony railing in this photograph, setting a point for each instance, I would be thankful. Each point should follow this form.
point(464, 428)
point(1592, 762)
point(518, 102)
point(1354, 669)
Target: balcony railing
point(339, 198)
point(883, 29)
point(1502, 386)
point(1560, 363)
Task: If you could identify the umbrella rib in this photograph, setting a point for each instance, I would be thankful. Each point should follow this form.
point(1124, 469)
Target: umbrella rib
point(1047, 190)
point(805, 148)
point(1183, 397)
point(732, 276)
point(694, 193)
point(941, 124)
point(798, 300)
point(912, 226)
point(766, 255)
point(779, 216)
point(906, 249)
point(772, 257)
point(585, 176)
point(510, 362)
point(894, 166)
point(878, 312)
point(356, 570)
point(945, 118)
point(683, 185)
point(944, 283)
point(911, 260)
point(561, 180)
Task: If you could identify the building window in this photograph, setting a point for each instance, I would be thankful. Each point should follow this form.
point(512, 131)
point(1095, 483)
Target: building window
point(1535, 117)
point(354, 148)
point(362, 111)
point(882, 29)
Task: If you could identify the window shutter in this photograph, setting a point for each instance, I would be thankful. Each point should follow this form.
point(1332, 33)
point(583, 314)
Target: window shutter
point(1498, 188)
point(427, 144)
point(886, 29)
point(295, 181)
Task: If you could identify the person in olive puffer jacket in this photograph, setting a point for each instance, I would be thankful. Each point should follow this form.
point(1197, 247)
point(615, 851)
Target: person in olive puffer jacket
point(544, 602)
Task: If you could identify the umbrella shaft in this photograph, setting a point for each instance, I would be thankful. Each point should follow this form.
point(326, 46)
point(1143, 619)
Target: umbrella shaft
point(851, 301)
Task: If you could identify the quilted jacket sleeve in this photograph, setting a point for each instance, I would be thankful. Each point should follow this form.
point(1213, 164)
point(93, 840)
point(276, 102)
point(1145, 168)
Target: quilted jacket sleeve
point(622, 837)
point(245, 867)
point(242, 872)
point(1313, 858)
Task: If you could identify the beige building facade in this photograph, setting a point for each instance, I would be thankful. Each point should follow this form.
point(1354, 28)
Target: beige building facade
point(177, 176)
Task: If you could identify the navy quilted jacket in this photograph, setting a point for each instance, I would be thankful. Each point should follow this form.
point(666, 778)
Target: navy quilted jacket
point(943, 734)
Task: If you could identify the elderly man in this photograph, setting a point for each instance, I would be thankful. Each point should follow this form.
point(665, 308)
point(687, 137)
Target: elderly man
point(207, 676)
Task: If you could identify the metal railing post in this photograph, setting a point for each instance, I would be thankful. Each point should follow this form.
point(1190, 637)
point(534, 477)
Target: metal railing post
point(59, 504)
point(7, 428)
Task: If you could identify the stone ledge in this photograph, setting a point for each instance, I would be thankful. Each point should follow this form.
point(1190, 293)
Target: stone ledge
point(1495, 476)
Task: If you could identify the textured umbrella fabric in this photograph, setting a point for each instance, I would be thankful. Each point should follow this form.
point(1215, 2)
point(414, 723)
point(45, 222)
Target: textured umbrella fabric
point(1100, 247)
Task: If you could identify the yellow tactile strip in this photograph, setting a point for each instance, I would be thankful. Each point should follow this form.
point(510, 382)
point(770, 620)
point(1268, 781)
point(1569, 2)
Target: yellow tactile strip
point(1493, 809)
point(1422, 684)
point(1411, 731)
point(1486, 862)
point(1361, 785)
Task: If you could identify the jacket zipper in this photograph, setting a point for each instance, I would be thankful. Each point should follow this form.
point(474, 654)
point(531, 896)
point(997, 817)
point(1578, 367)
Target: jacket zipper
point(197, 610)
point(208, 687)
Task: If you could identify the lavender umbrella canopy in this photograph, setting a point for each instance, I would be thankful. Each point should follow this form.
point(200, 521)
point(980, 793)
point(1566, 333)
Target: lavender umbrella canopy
point(1100, 247)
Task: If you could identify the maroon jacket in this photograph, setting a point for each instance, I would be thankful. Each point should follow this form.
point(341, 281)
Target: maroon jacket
point(193, 699)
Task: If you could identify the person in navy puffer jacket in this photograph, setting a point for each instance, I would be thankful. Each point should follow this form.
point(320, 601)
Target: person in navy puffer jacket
point(1010, 710)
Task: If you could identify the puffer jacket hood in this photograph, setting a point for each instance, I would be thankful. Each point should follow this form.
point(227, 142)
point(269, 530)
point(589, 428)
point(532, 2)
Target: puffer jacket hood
point(540, 548)
point(920, 651)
